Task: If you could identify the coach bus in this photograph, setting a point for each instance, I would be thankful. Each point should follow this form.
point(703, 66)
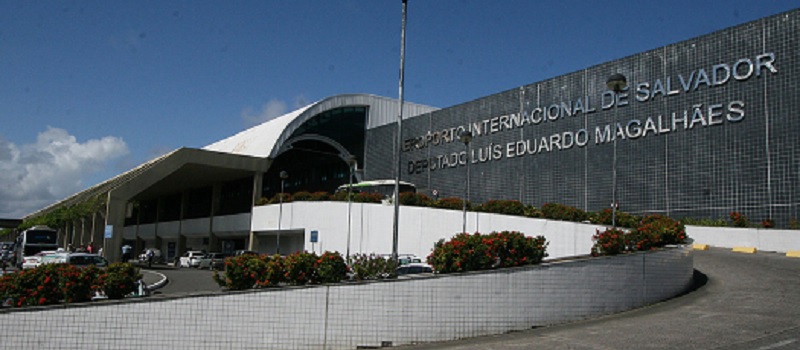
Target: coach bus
point(34, 240)
point(382, 187)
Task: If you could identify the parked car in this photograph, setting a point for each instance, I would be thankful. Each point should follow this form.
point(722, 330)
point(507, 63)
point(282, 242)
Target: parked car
point(85, 259)
point(33, 261)
point(191, 258)
point(7, 252)
point(81, 260)
point(403, 259)
point(213, 261)
point(414, 268)
point(245, 252)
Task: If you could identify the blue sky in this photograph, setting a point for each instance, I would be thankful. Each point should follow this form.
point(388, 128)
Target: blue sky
point(90, 89)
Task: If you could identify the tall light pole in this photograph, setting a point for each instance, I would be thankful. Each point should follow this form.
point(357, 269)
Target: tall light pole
point(284, 175)
point(616, 82)
point(399, 141)
point(466, 138)
point(352, 162)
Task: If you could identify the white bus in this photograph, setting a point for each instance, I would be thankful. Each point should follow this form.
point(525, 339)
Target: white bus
point(382, 187)
point(35, 240)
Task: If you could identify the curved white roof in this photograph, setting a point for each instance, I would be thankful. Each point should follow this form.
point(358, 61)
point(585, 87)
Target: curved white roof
point(265, 140)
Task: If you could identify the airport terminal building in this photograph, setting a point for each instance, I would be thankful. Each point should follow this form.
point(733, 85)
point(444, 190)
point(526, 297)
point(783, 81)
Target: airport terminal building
point(703, 128)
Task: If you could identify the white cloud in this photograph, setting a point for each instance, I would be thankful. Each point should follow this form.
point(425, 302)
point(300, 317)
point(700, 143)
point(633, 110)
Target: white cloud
point(272, 109)
point(35, 175)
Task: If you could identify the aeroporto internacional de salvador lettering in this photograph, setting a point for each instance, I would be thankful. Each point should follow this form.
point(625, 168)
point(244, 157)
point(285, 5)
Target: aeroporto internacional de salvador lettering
point(711, 113)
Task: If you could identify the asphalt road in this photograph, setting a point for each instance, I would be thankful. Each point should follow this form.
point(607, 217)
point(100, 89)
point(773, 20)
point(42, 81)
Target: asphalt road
point(746, 302)
point(185, 281)
point(743, 302)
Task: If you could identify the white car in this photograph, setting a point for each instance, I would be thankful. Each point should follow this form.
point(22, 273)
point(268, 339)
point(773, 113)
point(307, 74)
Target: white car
point(191, 258)
point(33, 261)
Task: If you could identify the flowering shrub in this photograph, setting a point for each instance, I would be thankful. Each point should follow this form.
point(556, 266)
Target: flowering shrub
point(533, 212)
point(562, 212)
point(738, 219)
point(609, 242)
point(301, 196)
point(507, 207)
point(32, 287)
point(300, 268)
point(250, 271)
point(276, 198)
point(273, 271)
point(469, 252)
point(55, 283)
point(624, 219)
point(450, 203)
point(331, 268)
point(241, 272)
point(512, 248)
point(414, 199)
point(370, 267)
point(767, 223)
point(367, 197)
point(662, 230)
point(653, 231)
point(79, 284)
point(120, 280)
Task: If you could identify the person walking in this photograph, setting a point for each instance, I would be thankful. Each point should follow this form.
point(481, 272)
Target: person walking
point(126, 253)
point(149, 255)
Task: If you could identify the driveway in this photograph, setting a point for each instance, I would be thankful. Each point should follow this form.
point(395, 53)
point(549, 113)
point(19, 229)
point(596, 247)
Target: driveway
point(746, 302)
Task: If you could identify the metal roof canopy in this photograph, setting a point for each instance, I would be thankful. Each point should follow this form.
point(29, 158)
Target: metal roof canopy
point(10, 223)
point(184, 168)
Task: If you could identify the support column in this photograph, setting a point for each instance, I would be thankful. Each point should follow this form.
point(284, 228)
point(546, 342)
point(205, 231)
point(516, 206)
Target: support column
point(258, 185)
point(115, 217)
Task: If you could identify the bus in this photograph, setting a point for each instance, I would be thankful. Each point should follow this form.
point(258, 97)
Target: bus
point(34, 240)
point(382, 187)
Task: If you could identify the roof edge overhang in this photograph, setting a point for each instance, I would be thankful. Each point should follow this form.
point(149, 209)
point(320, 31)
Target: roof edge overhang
point(128, 184)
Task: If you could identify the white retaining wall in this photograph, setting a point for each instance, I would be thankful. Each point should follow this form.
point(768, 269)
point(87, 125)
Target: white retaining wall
point(771, 240)
point(419, 228)
point(345, 316)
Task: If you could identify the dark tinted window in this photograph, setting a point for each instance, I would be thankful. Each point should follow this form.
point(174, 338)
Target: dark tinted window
point(40, 237)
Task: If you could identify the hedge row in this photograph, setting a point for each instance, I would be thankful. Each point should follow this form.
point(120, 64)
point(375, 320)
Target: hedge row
point(63, 283)
point(471, 252)
point(300, 268)
point(651, 232)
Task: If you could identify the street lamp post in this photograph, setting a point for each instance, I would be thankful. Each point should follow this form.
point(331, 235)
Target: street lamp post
point(616, 82)
point(353, 163)
point(466, 138)
point(284, 175)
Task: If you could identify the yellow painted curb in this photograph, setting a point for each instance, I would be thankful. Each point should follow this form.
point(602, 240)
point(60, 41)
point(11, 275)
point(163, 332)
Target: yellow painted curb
point(700, 246)
point(793, 254)
point(746, 250)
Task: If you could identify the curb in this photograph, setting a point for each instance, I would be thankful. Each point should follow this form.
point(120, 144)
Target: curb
point(745, 250)
point(793, 254)
point(700, 246)
point(161, 282)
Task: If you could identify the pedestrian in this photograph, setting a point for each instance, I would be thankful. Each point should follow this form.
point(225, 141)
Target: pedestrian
point(150, 255)
point(90, 248)
point(126, 253)
point(100, 251)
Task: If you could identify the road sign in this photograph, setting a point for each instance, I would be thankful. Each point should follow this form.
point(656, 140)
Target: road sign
point(314, 236)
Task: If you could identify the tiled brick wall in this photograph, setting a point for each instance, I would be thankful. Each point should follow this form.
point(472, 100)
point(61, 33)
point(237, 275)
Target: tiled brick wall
point(348, 315)
point(707, 170)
